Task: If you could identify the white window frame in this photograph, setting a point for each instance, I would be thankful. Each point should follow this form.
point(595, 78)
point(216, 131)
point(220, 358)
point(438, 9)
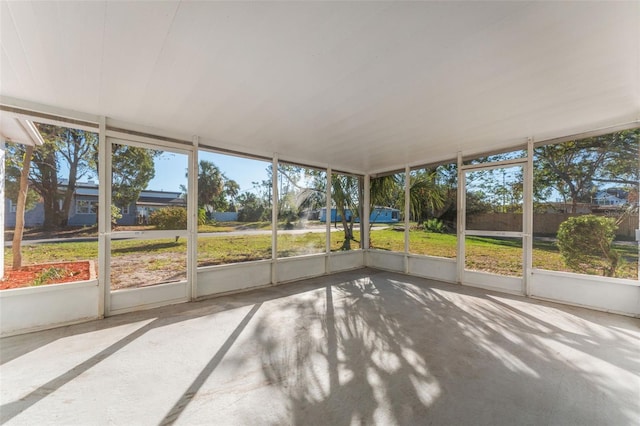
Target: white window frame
point(92, 206)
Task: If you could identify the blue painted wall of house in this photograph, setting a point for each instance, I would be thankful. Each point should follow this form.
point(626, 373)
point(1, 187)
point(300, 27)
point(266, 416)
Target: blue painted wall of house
point(35, 217)
point(225, 216)
point(378, 215)
point(32, 218)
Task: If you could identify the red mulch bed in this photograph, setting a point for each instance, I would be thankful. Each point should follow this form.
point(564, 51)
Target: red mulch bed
point(24, 277)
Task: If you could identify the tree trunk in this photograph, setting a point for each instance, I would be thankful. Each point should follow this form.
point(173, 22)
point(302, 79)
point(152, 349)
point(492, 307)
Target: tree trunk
point(22, 201)
point(68, 196)
point(348, 235)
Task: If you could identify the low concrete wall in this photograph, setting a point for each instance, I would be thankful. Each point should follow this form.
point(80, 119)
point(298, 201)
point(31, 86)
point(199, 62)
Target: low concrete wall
point(230, 278)
point(437, 268)
point(605, 294)
point(297, 268)
point(387, 260)
point(346, 260)
point(136, 299)
point(35, 308)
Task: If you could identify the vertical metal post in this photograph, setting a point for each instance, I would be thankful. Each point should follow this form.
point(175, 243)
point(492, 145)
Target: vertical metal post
point(407, 215)
point(638, 207)
point(192, 223)
point(366, 213)
point(327, 265)
point(274, 219)
point(527, 202)
point(104, 219)
point(461, 217)
point(2, 179)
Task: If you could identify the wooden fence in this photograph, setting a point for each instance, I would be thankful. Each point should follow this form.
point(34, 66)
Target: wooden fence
point(543, 223)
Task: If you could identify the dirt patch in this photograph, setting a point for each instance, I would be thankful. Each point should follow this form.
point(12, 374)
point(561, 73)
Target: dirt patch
point(47, 273)
point(144, 270)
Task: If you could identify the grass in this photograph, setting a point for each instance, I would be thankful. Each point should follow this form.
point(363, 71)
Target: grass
point(501, 256)
point(48, 275)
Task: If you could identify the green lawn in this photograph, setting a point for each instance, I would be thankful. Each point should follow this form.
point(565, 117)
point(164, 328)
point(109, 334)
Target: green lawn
point(502, 256)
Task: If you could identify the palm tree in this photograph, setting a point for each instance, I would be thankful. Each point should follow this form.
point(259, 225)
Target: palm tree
point(425, 195)
point(346, 194)
point(231, 190)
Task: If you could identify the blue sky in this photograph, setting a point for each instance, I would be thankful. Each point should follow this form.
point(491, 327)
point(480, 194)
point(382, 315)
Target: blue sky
point(171, 170)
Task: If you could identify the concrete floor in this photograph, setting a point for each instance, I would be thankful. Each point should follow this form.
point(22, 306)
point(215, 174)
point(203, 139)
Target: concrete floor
point(363, 347)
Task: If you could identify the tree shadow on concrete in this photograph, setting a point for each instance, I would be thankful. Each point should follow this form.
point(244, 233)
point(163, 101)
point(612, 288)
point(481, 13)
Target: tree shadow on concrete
point(391, 349)
point(373, 347)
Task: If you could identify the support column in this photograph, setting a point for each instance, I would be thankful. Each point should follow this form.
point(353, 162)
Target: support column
point(104, 219)
point(2, 154)
point(327, 264)
point(192, 225)
point(407, 215)
point(462, 189)
point(366, 213)
point(274, 219)
point(527, 202)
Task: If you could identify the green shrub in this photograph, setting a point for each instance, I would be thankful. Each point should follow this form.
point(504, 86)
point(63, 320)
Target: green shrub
point(169, 218)
point(434, 225)
point(585, 243)
point(202, 217)
point(116, 214)
point(172, 218)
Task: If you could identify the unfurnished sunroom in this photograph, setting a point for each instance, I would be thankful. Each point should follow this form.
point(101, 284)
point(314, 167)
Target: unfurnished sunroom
point(157, 153)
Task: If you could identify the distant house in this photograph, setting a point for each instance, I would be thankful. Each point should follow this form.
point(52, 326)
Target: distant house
point(83, 210)
point(378, 215)
point(611, 197)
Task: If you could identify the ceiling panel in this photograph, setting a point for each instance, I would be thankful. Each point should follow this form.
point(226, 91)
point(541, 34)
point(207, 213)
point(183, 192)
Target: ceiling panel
point(360, 86)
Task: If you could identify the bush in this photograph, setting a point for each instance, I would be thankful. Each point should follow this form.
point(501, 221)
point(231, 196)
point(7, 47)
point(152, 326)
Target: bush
point(434, 225)
point(252, 213)
point(116, 214)
point(174, 218)
point(585, 243)
point(202, 217)
point(169, 218)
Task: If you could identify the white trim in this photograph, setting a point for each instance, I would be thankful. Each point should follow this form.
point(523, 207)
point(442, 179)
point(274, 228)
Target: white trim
point(366, 214)
point(33, 132)
point(192, 221)
point(461, 217)
point(407, 215)
point(586, 277)
point(495, 164)
point(15, 292)
point(274, 219)
point(149, 235)
point(327, 229)
point(588, 134)
point(104, 218)
point(431, 257)
point(148, 143)
point(37, 108)
point(527, 225)
point(92, 207)
point(152, 134)
point(483, 233)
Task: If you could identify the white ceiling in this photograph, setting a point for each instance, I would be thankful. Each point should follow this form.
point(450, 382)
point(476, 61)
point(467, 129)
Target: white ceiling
point(360, 86)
